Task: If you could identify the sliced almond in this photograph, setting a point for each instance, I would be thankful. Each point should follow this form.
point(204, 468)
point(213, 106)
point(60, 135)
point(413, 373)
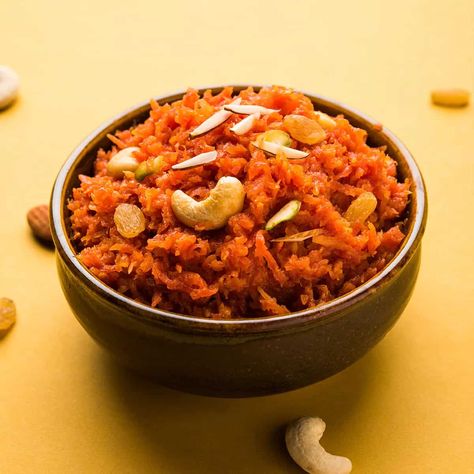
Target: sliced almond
point(248, 109)
point(197, 160)
point(286, 213)
point(299, 237)
point(274, 148)
point(245, 125)
point(213, 121)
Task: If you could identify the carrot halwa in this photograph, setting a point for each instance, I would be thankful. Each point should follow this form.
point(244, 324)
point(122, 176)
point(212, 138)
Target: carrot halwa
point(335, 206)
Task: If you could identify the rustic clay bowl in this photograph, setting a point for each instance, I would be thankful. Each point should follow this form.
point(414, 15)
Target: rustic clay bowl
point(245, 357)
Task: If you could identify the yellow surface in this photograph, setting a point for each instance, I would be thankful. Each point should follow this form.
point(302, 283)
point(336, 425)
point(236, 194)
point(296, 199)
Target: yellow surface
point(407, 407)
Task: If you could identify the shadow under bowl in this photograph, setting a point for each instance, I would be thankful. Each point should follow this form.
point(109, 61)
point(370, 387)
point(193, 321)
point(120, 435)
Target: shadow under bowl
point(242, 357)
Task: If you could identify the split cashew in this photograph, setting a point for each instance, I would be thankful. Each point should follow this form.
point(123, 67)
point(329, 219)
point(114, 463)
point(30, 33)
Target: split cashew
point(302, 441)
point(9, 84)
point(225, 200)
point(123, 161)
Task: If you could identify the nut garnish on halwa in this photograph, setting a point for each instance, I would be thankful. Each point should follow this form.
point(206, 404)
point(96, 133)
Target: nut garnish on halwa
point(218, 254)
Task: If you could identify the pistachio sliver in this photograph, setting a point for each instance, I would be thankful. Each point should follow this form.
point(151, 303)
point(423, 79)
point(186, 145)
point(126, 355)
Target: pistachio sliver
point(274, 148)
point(249, 109)
point(275, 136)
point(197, 160)
point(142, 171)
point(286, 213)
point(245, 125)
point(148, 167)
point(299, 237)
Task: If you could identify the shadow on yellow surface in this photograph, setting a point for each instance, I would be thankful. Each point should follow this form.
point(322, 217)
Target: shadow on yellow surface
point(183, 432)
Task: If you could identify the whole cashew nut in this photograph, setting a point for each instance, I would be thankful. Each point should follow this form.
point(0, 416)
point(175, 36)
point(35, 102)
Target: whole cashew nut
point(302, 441)
point(9, 84)
point(123, 161)
point(225, 200)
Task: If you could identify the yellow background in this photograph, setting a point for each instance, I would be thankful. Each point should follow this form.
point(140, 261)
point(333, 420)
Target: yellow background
point(407, 407)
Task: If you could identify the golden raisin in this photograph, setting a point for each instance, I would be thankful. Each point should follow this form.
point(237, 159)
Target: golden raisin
point(7, 315)
point(361, 208)
point(38, 220)
point(129, 220)
point(450, 97)
point(304, 129)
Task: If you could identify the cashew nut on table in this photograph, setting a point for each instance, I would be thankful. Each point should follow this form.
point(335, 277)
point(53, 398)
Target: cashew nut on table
point(9, 84)
point(302, 442)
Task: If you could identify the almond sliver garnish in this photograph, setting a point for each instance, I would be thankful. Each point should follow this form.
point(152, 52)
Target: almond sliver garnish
point(213, 121)
point(197, 160)
point(274, 148)
point(248, 109)
point(299, 237)
point(245, 125)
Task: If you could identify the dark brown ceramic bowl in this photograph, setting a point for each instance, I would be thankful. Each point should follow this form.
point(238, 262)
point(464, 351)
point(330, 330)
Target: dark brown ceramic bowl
point(245, 357)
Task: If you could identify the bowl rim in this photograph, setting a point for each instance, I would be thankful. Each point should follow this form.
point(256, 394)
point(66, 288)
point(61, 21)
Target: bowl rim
point(322, 313)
